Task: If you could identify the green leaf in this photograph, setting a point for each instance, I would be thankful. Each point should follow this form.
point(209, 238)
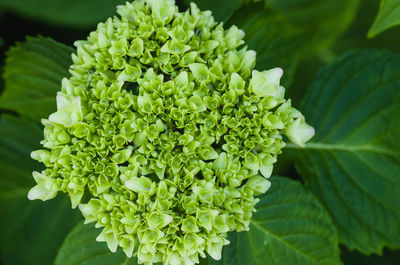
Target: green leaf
point(222, 9)
point(80, 247)
point(30, 232)
point(264, 30)
point(321, 21)
point(72, 13)
point(353, 162)
point(290, 227)
point(18, 137)
point(388, 16)
point(32, 74)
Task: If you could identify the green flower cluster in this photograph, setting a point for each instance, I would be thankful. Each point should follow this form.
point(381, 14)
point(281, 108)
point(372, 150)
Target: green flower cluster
point(164, 133)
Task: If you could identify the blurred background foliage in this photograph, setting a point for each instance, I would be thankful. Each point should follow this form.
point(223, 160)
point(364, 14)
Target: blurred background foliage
point(314, 32)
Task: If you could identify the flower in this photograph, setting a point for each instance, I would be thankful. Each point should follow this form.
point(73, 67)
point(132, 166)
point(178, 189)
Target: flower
point(164, 133)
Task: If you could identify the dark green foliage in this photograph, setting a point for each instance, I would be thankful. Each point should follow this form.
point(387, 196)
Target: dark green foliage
point(353, 162)
point(32, 74)
point(70, 13)
point(31, 232)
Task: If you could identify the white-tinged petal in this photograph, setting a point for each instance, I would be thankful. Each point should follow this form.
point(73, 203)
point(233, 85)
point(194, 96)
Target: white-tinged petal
point(76, 198)
point(299, 132)
point(267, 83)
point(266, 170)
point(69, 111)
point(44, 190)
point(129, 250)
point(215, 250)
point(141, 184)
point(259, 184)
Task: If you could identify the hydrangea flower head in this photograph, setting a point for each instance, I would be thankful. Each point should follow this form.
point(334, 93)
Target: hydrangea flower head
point(164, 133)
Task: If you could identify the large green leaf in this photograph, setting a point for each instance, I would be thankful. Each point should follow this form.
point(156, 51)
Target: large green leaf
point(32, 74)
point(73, 13)
point(81, 248)
point(388, 16)
point(18, 138)
point(323, 21)
point(277, 43)
point(353, 162)
point(30, 232)
point(290, 227)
